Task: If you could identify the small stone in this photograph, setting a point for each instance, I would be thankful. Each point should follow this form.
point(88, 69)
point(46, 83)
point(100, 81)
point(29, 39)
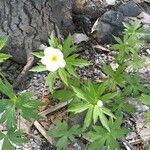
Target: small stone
point(131, 136)
point(145, 18)
point(79, 37)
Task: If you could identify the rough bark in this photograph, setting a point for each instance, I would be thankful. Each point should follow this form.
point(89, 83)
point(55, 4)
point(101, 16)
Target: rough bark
point(29, 23)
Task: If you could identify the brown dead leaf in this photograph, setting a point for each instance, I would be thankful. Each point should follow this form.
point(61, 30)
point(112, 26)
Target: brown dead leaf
point(45, 100)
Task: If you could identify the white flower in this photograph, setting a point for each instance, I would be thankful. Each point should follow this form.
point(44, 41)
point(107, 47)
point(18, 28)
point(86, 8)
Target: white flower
point(99, 103)
point(53, 59)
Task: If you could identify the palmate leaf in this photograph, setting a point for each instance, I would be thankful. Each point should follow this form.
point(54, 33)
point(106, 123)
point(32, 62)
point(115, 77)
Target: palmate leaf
point(6, 88)
point(60, 130)
point(16, 136)
point(13, 136)
point(106, 138)
point(65, 134)
point(62, 143)
point(9, 117)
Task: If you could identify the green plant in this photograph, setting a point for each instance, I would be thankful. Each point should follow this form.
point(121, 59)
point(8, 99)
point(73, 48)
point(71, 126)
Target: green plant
point(145, 99)
point(65, 134)
point(71, 61)
point(3, 56)
point(93, 99)
point(102, 138)
point(115, 78)
point(134, 87)
point(10, 107)
point(130, 45)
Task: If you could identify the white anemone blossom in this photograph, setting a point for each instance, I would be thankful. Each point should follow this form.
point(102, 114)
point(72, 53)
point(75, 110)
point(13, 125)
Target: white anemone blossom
point(99, 103)
point(53, 59)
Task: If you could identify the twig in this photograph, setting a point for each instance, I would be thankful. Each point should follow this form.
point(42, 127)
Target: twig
point(55, 108)
point(42, 131)
point(137, 141)
point(101, 48)
point(127, 145)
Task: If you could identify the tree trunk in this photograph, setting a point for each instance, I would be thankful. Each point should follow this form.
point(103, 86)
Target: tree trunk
point(29, 23)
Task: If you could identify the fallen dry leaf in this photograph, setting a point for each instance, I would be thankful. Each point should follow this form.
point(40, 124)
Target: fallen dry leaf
point(45, 100)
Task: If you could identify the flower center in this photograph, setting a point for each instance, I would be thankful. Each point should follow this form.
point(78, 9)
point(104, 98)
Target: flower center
point(54, 58)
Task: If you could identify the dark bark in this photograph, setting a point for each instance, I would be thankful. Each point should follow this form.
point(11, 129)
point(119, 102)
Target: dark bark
point(29, 23)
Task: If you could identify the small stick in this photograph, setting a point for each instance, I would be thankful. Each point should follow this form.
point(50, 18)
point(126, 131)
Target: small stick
point(42, 131)
point(55, 108)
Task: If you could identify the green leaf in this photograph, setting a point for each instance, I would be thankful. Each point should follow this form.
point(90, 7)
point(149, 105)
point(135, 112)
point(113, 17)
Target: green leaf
point(33, 104)
point(17, 137)
point(4, 57)
point(7, 145)
point(60, 129)
point(145, 99)
point(62, 143)
point(64, 134)
point(67, 46)
point(7, 89)
point(1, 135)
point(51, 78)
point(26, 96)
point(79, 93)
point(53, 41)
point(30, 113)
point(3, 42)
point(101, 88)
point(95, 113)
point(104, 120)
point(112, 144)
point(63, 75)
point(108, 70)
point(64, 95)
point(97, 144)
point(78, 108)
point(39, 68)
point(9, 117)
point(39, 54)
point(107, 112)
point(72, 71)
point(108, 96)
point(88, 118)
point(80, 62)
